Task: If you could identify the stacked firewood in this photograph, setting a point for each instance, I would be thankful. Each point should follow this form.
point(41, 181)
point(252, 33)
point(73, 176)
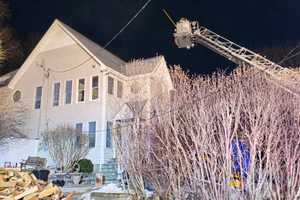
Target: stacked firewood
point(15, 184)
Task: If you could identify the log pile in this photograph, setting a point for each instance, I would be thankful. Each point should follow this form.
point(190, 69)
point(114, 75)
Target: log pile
point(15, 185)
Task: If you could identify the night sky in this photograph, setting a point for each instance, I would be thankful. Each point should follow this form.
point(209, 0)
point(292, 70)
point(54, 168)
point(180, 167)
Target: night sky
point(255, 24)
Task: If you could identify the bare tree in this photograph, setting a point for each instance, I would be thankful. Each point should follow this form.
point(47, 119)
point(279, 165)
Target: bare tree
point(12, 117)
point(65, 146)
point(4, 13)
point(186, 149)
point(11, 50)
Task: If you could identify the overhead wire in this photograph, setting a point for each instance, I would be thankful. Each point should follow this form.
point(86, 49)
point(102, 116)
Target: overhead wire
point(107, 43)
point(127, 24)
point(287, 56)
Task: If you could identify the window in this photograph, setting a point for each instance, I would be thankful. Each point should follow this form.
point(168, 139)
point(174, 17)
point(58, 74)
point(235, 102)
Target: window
point(81, 87)
point(120, 89)
point(68, 98)
point(109, 135)
point(78, 129)
point(92, 134)
point(38, 97)
point(110, 86)
point(95, 87)
point(56, 92)
point(17, 96)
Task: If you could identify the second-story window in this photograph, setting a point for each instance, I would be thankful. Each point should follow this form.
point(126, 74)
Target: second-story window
point(110, 85)
point(56, 92)
point(120, 89)
point(95, 87)
point(38, 97)
point(81, 90)
point(68, 98)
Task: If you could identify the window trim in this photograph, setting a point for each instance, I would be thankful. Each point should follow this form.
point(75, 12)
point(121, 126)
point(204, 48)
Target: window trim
point(91, 88)
point(53, 93)
point(77, 90)
point(65, 92)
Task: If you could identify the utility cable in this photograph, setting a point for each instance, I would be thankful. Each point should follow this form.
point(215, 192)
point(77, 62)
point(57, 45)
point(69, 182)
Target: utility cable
point(126, 25)
point(108, 43)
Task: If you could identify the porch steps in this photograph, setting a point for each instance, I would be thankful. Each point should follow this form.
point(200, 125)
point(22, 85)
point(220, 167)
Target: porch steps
point(110, 171)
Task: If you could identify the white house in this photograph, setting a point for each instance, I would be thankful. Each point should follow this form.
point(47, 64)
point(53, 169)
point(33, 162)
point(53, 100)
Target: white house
point(68, 79)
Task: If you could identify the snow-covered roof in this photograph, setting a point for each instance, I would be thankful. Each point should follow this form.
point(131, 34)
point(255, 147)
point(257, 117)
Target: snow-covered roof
point(102, 54)
point(4, 79)
point(141, 66)
point(135, 67)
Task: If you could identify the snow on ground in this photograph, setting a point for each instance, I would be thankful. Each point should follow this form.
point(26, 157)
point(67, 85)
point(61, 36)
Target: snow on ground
point(109, 188)
point(148, 193)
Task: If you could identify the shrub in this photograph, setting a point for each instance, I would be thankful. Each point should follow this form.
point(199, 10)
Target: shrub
point(86, 166)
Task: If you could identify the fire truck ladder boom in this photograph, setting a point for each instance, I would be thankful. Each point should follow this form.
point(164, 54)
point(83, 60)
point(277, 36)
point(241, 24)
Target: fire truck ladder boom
point(188, 34)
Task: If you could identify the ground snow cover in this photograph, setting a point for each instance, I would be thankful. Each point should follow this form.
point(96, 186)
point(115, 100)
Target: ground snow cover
point(111, 188)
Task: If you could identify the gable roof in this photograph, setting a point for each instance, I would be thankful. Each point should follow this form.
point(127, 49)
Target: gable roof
point(99, 52)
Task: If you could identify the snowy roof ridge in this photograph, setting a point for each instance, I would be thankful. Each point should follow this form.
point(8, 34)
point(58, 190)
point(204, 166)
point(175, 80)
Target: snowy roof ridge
point(141, 66)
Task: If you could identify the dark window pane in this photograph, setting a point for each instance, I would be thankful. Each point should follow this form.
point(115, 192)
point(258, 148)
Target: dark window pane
point(95, 81)
point(120, 89)
point(110, 88)
point(68, 99)
point(81, 87)
point(38, 97)
point(109, 135)
point(78, 130)
point(95, 87)
point(56, 92)
point(92, 134)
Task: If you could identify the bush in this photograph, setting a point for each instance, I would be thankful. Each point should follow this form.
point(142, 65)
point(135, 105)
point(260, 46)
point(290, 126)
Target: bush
point(86, 166)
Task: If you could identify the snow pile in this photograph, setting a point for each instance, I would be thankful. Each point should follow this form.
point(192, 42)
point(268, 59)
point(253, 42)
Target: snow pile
point(109, 188)
point(148, 193)
point(112, 189)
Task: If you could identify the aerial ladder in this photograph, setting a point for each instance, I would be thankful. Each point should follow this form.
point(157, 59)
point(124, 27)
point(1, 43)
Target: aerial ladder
point(189, 33)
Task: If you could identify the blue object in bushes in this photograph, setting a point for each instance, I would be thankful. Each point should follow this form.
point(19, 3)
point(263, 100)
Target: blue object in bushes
point(241, 157)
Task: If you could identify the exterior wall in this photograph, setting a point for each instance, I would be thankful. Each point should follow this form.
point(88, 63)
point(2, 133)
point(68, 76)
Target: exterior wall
point(149, 88)
point(58, 59)
point(58, 53)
